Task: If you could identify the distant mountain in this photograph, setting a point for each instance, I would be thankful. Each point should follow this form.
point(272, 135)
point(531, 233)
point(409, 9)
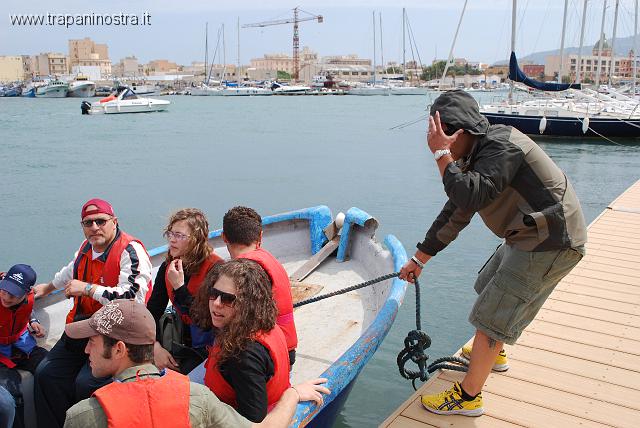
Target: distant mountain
point(622, 47)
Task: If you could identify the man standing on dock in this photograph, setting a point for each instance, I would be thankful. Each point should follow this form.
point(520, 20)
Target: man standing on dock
point(523, 197)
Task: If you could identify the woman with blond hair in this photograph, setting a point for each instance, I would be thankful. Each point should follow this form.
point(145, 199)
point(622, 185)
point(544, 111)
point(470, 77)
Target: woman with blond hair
point(189, 259)
point(248, 365)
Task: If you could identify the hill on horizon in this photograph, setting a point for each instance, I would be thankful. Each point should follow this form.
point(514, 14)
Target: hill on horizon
point(622, 47)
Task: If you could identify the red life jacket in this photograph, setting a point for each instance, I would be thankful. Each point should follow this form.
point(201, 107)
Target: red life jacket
point(195, 281)
point(13, 324)
point(147, 403)
point(281, 292)
point(100, 273)
point(275, 343)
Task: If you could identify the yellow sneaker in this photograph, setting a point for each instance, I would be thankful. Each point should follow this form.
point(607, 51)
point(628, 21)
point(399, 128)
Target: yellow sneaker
point(451, 403)
point(501, 364)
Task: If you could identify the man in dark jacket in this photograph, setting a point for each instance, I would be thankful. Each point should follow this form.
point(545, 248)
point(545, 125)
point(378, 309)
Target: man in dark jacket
point(523, 197)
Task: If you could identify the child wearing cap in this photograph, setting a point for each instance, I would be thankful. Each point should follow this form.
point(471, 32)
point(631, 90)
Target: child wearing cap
point(18, 348)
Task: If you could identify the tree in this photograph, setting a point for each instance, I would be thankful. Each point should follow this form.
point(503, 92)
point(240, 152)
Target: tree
point(283, 75)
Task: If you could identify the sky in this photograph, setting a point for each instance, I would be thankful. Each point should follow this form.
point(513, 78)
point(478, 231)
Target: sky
point(177, 28)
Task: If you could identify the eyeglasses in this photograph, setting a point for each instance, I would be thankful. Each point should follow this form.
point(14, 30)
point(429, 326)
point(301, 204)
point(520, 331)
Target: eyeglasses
point(98, 221)
point(225, 298)
point(169, 235)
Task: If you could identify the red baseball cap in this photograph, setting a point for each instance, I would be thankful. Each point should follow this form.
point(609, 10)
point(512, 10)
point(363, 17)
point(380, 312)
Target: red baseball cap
point(101, 207)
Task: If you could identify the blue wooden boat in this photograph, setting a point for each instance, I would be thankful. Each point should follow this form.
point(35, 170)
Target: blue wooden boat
point(338, 335)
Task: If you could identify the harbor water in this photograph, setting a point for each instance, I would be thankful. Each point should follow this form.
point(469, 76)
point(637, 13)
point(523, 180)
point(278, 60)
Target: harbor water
point(274, 154)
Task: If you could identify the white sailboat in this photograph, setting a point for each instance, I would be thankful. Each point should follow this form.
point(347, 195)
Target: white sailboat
point(373, 88)
point(406, 89)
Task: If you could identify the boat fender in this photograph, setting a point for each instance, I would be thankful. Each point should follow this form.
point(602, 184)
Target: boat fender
point(585, 125)
point(85, 106)
point(339, 222)
point(543, 124)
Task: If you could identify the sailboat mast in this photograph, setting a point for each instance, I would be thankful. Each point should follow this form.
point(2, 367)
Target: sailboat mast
point(635, 48)
point(579, 63)
point(455, 37)
point(381, 46)
point(513, 43)
point(564, 24)
point(613, 41)
point(224, 57)
point(238, 70)
point(206, 51)
point(600, 45)
point(404, 49)
point(374, 48)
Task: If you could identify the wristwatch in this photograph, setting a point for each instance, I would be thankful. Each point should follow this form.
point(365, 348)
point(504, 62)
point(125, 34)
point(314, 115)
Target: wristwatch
point(87, 289)
point(439, 153)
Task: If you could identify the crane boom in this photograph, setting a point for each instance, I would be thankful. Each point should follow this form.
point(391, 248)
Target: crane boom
point(296, 38)
point(282, 21)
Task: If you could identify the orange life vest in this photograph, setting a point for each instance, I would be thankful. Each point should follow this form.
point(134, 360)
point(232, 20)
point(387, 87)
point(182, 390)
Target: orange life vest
point(281, 292)
point(147, 403)
point(14, 323)
point(195, 281)
point(100, 273)
point(275, 343)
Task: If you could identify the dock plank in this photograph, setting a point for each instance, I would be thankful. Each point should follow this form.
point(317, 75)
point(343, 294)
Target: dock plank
point(578, 362)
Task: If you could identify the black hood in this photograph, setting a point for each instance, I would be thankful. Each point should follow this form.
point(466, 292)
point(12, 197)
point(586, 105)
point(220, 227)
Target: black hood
point(460, 110)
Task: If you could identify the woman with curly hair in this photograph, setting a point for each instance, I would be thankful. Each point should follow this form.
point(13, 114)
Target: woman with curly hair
point(189, 258)
point(248, 366)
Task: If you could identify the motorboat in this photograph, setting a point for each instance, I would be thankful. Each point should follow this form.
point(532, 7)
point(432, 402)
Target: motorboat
point(338, 335)
point(408, 90)
point(142, 89)
point(230, 91)
point(370, 90)
point(53, 89)
point(82, 87)
point(279, 89)
point(125, 100)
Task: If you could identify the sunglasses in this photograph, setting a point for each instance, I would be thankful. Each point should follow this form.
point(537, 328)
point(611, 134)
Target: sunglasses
point(98, 221)
point(225, 298)
point(169, 235)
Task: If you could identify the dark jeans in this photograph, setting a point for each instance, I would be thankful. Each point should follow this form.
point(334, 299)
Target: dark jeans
point(63, 379)
point(11, 380)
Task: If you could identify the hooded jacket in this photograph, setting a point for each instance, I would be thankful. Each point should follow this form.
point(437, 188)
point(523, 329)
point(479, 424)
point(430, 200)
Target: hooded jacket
point(519, 192)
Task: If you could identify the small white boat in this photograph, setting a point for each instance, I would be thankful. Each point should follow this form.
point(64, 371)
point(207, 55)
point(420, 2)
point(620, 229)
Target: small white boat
point(82, 88)
point(408, 90)
point(53, 89)
point(336, 336)
point(370, 90)
point(143, 89)
point(279, 89)
point(125, 102)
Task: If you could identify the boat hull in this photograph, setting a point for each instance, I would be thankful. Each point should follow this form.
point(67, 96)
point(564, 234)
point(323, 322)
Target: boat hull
point(52, 92)
point(568, 126)
point(82, 91)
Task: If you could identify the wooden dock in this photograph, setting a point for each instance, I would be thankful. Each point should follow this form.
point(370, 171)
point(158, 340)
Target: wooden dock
point(578, 362)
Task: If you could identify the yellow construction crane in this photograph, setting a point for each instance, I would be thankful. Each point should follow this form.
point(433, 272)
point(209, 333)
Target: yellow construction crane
point(296, 38)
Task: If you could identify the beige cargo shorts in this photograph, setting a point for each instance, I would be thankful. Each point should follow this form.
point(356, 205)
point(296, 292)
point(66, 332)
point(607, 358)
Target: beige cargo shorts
point(513, 285)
